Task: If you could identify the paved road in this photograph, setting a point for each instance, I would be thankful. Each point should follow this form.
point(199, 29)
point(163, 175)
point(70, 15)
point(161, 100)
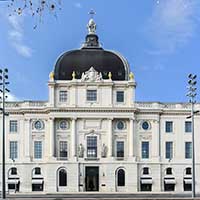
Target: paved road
point(103, 196)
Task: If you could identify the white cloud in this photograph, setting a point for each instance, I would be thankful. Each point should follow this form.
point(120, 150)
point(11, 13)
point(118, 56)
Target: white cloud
point(172, 24)
point(78, 5)
point(23, 49)
point(11, 97)
point(157, 67)
point(16, 36)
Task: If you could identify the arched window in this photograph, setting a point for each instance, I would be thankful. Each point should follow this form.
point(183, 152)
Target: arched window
point(37, 171)
point(120, 177)
point(188, 171)
point(169, 171)
point(13, 179)
point(62, 177)
point(13, 171)
point(145, 171)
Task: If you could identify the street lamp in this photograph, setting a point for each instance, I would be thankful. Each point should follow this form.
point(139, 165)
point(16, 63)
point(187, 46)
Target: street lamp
point(3, 91)
point(192, 94)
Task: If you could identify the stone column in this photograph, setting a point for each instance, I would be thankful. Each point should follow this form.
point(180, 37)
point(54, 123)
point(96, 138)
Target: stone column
point(52, 94)
point(110, 138)
point(135, 139)
point(131, 144)
point(51, 138)
point(27, 138)
point(73, 138)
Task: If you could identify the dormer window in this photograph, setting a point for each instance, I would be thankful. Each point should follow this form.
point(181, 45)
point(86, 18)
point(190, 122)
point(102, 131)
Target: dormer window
point(63, 96)
point(92, 95)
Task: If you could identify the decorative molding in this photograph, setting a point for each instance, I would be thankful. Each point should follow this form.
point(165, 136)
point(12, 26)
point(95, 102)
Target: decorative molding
point(91, 75)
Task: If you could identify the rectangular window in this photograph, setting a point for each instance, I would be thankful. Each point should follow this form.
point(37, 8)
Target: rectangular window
point(188, 127)
point(188, 150)
point(13, 149)
point(63, 149)
point(63, 96)
point(91, 95)
point(169, 150)
point(145, 150)
point(169, 127)
point(38, 149)
point(120, 96)
point(92, 146)
point(120, 149)
point(13, 126)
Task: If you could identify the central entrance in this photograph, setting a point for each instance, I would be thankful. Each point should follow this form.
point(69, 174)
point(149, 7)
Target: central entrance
point(92, 178)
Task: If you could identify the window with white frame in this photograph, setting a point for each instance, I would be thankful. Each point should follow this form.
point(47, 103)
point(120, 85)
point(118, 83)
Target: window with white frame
point(64, 124)
point(145, 150)
point(37, 149)
point(188, 150)
point(120, 149)
point(169, 150)
point(13, 150)
point(63, 96)
point(39, 125)
point(91, 95)
point(188, 127)
point(120, 96)
point(63, 153)
point(13, 126)
point(91, 146)
point(168, 126)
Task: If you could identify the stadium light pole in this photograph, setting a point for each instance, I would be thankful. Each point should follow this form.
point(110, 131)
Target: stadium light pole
point(3, 91)
point(192, 94)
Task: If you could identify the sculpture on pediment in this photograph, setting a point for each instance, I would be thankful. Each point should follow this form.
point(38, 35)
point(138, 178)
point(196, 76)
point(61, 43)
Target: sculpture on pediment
point(104, 151)
point(80, 151)
point(91, 75)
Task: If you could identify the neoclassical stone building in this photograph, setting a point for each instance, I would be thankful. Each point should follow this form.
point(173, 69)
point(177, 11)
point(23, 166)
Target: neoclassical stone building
point(91, 134)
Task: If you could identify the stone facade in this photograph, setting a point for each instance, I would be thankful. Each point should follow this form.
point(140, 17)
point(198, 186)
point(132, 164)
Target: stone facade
point(91, 135)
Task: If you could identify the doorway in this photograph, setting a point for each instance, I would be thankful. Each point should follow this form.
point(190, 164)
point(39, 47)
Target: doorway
point(92, 179)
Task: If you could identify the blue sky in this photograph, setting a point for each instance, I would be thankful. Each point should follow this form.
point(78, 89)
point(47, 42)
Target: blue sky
point(159, 38)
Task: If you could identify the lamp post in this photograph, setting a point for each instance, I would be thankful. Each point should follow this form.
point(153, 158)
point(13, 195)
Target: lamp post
point(3, 91)
point(192, 94)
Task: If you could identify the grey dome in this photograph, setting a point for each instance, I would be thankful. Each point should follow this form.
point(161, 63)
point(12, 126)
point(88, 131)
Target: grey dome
point(91, 55)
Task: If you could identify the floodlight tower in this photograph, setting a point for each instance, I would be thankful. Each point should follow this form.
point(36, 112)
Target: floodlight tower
point(3, 90)
point(192, 94)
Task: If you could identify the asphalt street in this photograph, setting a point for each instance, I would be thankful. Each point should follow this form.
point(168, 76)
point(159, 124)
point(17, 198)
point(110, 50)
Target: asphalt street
point(103, 196)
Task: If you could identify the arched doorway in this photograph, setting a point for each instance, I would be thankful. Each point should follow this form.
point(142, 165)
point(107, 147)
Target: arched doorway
point(61, 179)
point(120, 180)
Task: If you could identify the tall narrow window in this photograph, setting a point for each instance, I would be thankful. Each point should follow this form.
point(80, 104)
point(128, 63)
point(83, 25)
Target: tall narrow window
point(13, 126)
point(13, 150)
point(62, 178)
point(169, 150)
point(91, 95)
point(38, 149)
point(92, 146)
point(120, 149)
point(169, 127)
point(120, 96)
point(188, 127)
point(63, 149)
point(145, 150)
point(188, 150)
point(121, 177)
point(63, 96)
